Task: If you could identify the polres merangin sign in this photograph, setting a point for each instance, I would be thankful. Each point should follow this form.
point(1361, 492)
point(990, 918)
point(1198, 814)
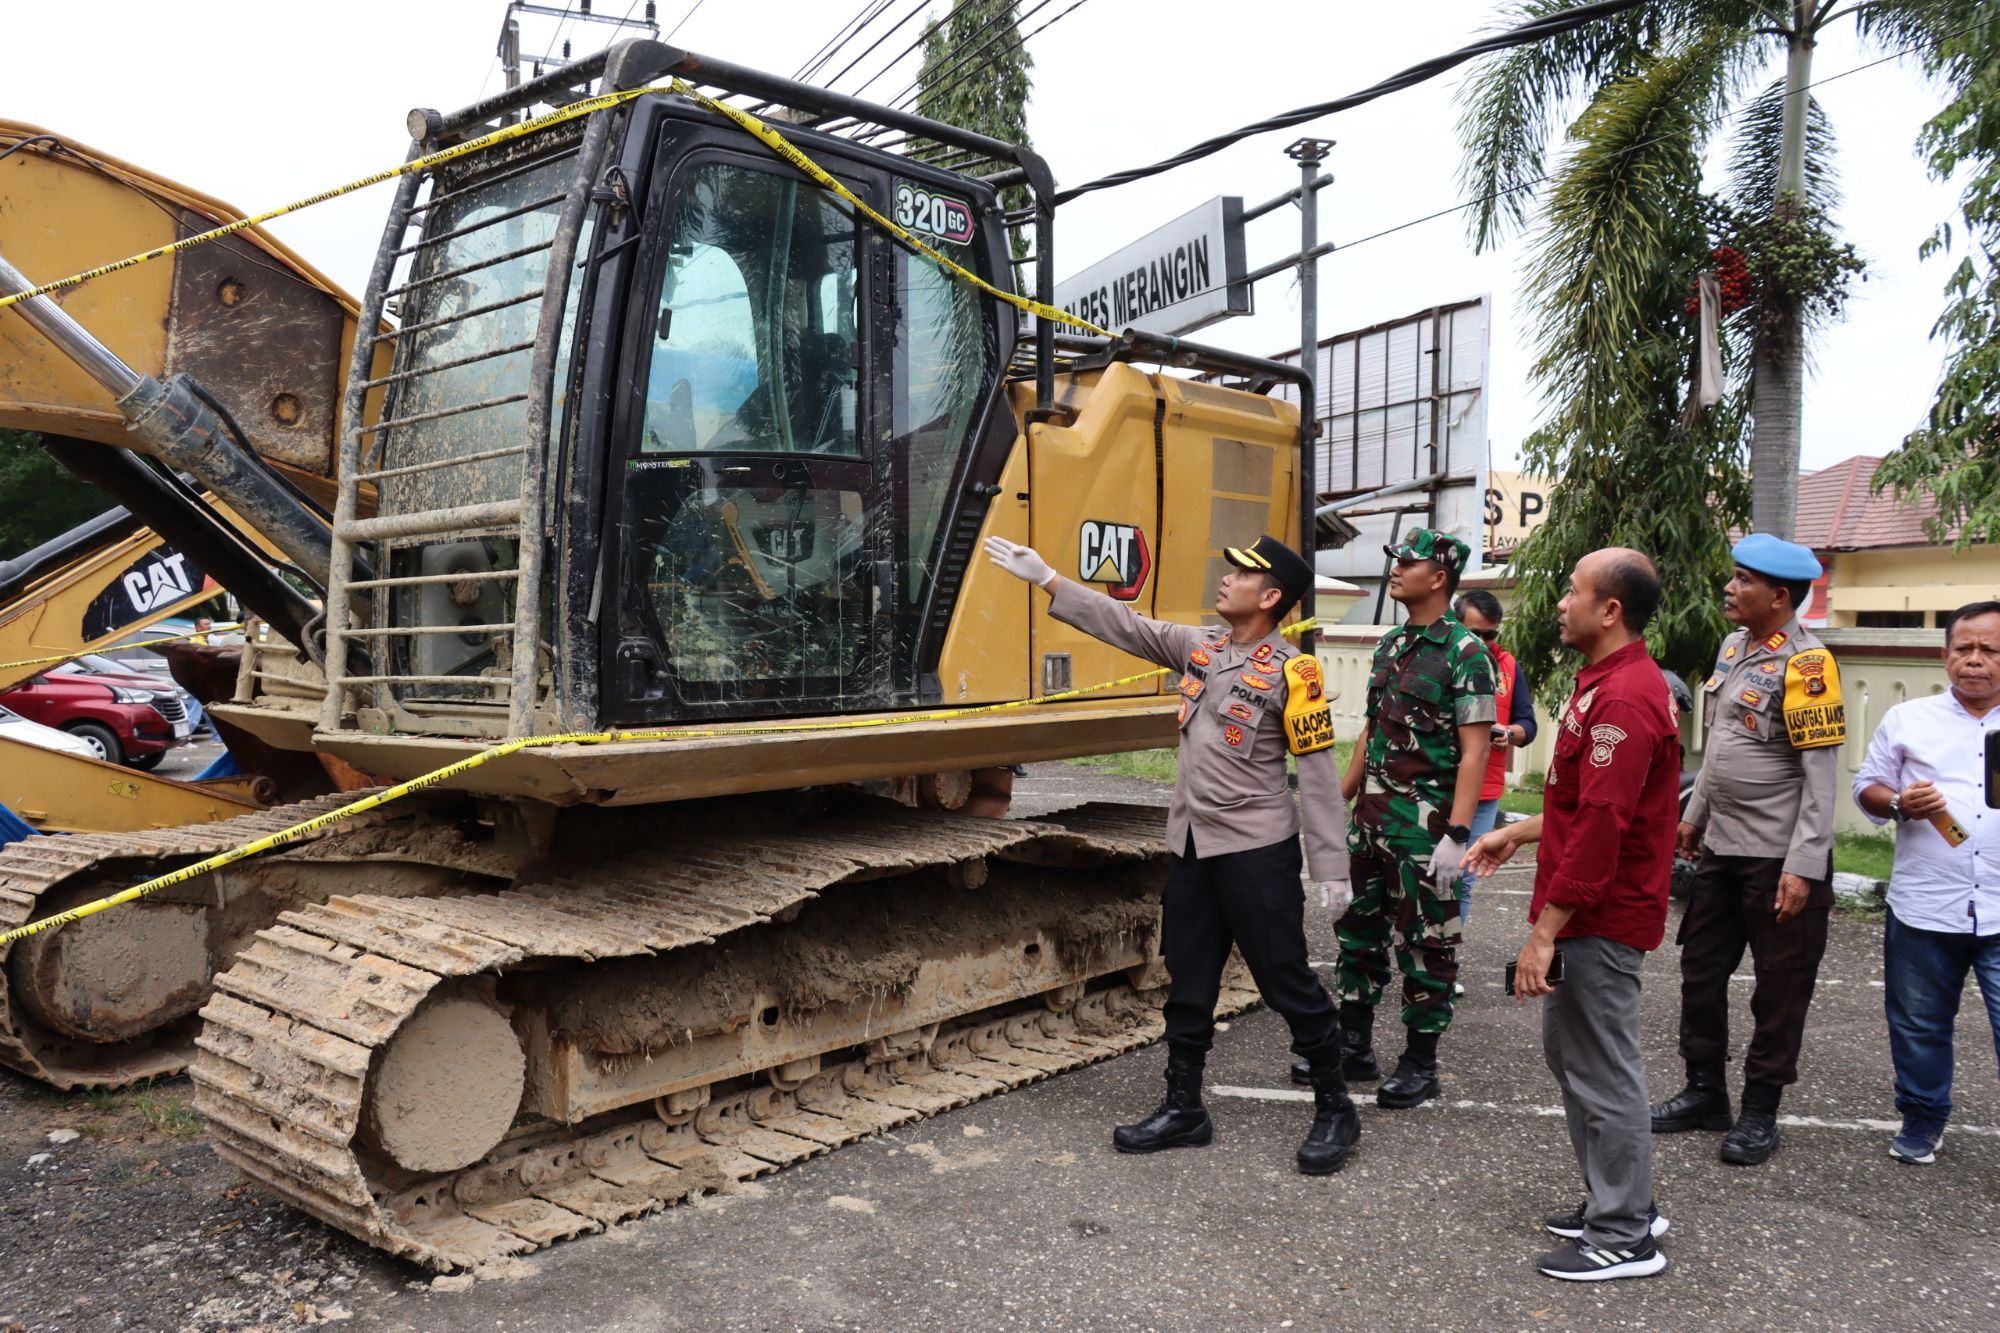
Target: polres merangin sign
point(1175, 279)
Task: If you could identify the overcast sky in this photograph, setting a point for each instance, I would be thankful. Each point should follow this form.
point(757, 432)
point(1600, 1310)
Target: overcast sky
point(266, 102)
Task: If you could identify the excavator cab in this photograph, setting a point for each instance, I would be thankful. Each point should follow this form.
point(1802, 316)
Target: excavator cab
point(723, 423)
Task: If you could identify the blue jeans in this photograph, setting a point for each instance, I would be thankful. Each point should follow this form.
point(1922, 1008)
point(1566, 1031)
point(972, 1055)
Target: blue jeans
point(1484, 816)
point(1923, 975)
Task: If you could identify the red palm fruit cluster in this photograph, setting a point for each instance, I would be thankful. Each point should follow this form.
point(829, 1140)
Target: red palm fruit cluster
point(1732, 276)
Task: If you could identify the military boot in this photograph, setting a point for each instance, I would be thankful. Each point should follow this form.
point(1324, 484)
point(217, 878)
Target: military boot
point(1181, 1121)
point(1416, 1078)
point(1336, 1125)
point(1357, 1047)
point(1702, 1104)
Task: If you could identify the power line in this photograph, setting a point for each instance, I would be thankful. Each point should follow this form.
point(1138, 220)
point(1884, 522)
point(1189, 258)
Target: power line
point(684, 18)
point(969, 52)
point(1545, 177)
point(1533, 31)
point(831, 44)
point(903, 54)
point(966, 71)
point(880, 8)
point(915, 10)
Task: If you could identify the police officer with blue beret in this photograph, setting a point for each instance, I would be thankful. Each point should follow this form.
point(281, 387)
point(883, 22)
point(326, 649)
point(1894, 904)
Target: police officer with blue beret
point(1761, 819)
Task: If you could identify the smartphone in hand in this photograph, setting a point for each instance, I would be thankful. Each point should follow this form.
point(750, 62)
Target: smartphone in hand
point(1555, 971)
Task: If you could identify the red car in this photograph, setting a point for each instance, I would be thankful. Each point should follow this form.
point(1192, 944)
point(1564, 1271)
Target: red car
point(127, 718)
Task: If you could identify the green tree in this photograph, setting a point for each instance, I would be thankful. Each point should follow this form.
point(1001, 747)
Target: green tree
point(38, 499)
point(976, 75)
point(1956, 456)
point(1625, 225)
point(1514, 102)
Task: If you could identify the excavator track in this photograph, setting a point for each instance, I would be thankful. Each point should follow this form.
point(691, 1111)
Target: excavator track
point(351, 1020)
point(38, 875)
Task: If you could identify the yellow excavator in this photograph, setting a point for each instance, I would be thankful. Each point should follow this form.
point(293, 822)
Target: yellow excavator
point(635, 430)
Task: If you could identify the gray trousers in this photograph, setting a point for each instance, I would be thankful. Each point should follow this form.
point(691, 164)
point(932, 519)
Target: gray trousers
point(1590, 1037)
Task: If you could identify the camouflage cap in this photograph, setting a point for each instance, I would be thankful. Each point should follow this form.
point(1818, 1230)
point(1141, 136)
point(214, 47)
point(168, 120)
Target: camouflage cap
point(1430, 544)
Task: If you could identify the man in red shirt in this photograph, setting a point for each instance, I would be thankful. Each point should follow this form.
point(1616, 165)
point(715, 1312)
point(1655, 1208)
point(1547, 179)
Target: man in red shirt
point(1610, 811)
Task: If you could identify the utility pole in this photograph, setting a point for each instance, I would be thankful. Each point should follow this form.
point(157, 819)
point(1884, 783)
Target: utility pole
point(509, 49)
point(1309, 153)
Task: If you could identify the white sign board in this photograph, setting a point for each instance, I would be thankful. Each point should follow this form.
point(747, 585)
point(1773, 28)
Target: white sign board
point(1173, 280)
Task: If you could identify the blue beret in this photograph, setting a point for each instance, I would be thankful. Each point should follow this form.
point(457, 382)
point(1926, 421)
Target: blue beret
point(1762, 553)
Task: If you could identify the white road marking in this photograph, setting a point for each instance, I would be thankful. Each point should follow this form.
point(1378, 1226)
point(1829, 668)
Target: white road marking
point(1519, 1108)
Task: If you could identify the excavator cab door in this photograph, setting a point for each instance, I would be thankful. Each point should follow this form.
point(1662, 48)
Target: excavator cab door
point(780, 463)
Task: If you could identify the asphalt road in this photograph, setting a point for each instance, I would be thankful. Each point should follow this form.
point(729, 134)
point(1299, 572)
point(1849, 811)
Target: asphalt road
point(1015, 1213)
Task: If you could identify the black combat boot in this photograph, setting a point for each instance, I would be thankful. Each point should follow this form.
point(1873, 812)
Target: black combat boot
point(1702, 1104)
point(1357, 1047)
point(1416, 1078)
point(1755, 1135)
point(1181, 1121)
point(1336, 1125)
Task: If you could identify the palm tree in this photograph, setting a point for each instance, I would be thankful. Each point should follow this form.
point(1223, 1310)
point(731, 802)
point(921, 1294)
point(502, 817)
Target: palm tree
point(1678, 68)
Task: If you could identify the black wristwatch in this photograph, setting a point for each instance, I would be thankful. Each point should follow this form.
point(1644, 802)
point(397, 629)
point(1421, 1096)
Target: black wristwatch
point(1458, 833)
point(1896, 809)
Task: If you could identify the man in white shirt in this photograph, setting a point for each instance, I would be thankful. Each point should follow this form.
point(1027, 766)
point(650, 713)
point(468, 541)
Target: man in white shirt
point(1926, 771)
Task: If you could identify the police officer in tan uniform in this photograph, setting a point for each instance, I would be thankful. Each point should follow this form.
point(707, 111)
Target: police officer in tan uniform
point(1248, 698)
point(1761, 818)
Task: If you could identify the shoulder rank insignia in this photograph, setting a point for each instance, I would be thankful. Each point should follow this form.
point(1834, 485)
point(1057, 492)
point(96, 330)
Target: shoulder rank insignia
point(1219, 644)
point(1776, 641)
point(1308, 718)
point(1815, 714)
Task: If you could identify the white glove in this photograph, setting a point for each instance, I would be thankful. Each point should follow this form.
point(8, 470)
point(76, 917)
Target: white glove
point(1445, 862)
point(1336, 895)
point(1020, 561)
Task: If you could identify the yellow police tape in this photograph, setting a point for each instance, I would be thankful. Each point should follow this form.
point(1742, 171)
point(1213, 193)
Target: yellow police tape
point(116, 647)
point(292, 834)
point(764, 134)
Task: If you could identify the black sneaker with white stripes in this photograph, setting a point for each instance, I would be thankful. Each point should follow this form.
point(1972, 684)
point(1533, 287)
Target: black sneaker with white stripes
point(1581, 1262)
point(1569, 1225)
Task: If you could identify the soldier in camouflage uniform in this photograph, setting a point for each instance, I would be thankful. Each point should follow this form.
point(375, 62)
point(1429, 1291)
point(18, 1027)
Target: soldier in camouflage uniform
point(1412, 785)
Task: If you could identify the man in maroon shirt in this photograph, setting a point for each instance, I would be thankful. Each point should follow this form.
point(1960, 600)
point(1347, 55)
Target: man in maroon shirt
point(1607, 826)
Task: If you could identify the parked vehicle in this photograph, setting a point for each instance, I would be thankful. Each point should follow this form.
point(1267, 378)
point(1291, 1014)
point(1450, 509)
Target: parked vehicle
point(123, 717)
point(14, 727)
point(152, 669)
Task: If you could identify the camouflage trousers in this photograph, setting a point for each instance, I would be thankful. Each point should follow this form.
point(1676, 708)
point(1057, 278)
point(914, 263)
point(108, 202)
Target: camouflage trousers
point(1396, 905)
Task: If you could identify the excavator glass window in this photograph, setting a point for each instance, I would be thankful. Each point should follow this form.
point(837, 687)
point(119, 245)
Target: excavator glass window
point(800, 396)
point(746, 501)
